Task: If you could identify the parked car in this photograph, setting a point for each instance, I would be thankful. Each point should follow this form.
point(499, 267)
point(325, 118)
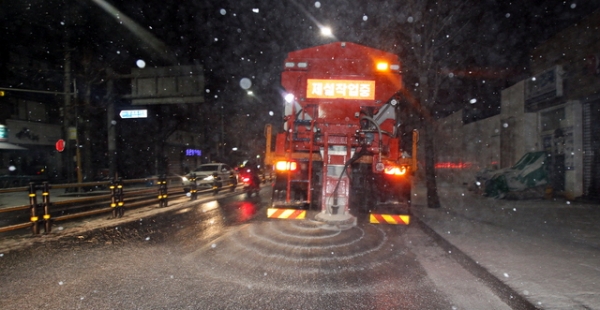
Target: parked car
point(205, 176)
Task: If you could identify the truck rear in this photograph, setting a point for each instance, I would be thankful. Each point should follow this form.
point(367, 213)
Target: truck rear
point(340, 151)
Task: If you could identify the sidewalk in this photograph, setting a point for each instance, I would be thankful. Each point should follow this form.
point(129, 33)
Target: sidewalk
point(546, 250)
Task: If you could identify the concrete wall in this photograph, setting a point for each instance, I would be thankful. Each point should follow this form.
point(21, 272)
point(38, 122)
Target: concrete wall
point(495, 142)
point(463, 150)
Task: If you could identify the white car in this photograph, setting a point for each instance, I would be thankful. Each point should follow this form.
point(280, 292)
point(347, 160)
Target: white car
point(205, 176)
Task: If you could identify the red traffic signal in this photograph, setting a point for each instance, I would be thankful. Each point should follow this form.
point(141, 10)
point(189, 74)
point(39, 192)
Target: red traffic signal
point(60, 145)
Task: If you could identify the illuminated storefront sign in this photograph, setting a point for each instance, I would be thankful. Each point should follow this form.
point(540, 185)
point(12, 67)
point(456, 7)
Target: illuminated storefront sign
point(3, 133)
point(342, 89)
point(193, 152)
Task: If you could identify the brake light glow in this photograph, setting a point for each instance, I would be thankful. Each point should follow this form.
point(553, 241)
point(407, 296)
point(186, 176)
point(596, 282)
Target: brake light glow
point(394, 170)
point(286, 166)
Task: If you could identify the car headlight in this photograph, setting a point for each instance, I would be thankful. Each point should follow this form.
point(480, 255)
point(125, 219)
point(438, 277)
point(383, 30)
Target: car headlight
point(184, 179)
point(209, 178)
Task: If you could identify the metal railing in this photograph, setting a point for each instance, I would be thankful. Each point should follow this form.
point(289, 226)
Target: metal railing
point(112, 196)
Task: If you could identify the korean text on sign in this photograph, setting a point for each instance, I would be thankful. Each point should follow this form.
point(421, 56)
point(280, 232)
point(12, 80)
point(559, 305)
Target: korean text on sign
point(344, 89)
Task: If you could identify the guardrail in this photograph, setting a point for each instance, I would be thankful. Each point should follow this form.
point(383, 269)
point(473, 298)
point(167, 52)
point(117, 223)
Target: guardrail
point(113, 196)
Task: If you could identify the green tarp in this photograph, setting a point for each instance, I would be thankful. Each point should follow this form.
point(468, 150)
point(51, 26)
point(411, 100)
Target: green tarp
point(529, 172)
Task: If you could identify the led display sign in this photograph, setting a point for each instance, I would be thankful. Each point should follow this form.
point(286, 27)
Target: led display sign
point(193, 152)
point(340, 89)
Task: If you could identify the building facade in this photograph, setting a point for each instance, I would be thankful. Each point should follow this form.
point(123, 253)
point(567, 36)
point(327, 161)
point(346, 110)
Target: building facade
point(556, 109)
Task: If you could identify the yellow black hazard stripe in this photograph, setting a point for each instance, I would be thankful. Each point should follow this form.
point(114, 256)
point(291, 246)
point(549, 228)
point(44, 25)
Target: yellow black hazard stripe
point(275, 213)
point(389, 219)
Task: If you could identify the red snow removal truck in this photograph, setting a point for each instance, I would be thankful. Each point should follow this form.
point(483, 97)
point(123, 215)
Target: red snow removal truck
point(343, 148)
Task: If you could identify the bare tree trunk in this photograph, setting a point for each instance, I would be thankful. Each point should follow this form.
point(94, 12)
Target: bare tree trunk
point(433, 200)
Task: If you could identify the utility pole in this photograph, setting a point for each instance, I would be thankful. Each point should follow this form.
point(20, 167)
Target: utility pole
point(67, 161)
point(111, 126)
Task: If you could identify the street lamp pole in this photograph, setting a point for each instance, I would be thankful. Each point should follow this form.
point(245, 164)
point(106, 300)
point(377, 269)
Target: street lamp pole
point(222, 133)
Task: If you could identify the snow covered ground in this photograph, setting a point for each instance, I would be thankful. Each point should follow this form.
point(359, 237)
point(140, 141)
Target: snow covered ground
point(547, 250)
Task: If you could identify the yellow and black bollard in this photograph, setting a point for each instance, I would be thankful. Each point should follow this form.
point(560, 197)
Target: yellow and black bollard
point(113, 197)
point(119, 195)
point(46, 203)
point(35, 228)
point(194, 187)
point(232, 181)
point(162, 192)
point(217, 184)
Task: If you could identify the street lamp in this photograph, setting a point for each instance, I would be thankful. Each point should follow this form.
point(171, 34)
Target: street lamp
point(326, 31)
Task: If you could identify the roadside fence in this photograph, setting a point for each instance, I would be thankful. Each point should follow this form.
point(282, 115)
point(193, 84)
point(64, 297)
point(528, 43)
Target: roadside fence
point(90, 198)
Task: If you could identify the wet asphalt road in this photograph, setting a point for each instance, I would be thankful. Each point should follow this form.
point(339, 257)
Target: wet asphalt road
point(225, 254)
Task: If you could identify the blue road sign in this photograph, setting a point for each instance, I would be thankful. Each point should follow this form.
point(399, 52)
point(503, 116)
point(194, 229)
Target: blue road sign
point(134, 114)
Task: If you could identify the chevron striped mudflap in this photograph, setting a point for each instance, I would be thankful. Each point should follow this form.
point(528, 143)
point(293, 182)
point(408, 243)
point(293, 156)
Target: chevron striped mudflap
point(389, 219)
point(291, 214)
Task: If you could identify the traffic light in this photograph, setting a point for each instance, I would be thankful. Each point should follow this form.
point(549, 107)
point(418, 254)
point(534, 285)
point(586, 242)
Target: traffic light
point(1, 93)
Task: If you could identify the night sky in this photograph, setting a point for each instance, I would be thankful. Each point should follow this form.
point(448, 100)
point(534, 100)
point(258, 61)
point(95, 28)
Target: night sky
point(234, 39)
